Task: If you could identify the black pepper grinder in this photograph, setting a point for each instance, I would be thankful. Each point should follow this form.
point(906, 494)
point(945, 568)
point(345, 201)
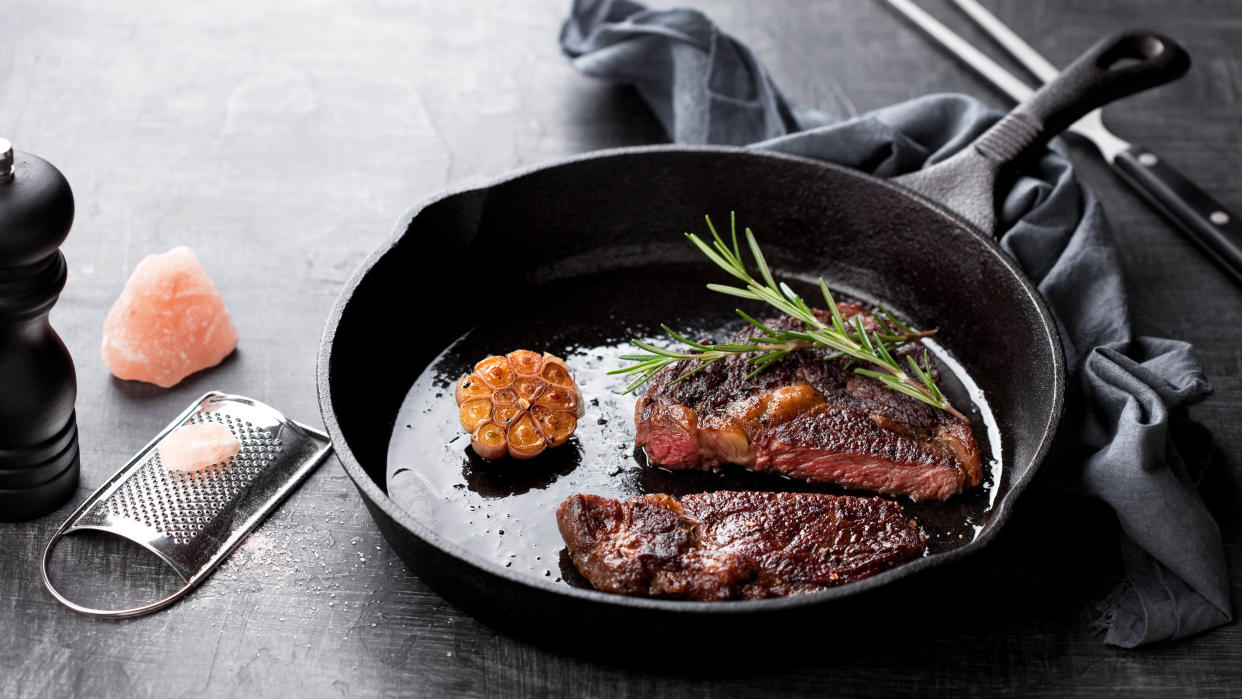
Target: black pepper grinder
point(38, 430)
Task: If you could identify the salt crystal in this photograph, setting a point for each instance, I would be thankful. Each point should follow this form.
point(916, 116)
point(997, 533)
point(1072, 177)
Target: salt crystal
point(195, 447)
point(168, 322)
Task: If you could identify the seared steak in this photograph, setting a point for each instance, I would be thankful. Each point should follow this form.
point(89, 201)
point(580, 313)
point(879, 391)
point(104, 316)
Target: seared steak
point(734, 545)
point(809, 418)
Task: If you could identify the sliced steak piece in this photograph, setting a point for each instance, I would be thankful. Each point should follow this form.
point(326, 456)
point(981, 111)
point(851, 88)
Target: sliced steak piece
point(809, 418)
point(734, 545)
point(843, 444)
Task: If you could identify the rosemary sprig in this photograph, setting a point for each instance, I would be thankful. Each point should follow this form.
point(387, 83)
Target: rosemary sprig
point(840, 337)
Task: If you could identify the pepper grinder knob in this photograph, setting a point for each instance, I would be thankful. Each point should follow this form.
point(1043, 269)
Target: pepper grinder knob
point(39, 458)
point(6, 161)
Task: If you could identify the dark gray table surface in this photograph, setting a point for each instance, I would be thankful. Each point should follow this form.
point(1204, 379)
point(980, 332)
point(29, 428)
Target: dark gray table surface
point(281, 140)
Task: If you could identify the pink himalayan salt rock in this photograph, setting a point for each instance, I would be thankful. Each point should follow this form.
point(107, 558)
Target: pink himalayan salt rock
point(168, 323)
point(195, 447)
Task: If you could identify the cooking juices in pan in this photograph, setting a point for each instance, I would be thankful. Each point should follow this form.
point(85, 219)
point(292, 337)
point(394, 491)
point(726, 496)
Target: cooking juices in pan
point(504, 511)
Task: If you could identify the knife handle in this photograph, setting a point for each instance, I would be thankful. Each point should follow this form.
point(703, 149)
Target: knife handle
point(1204, 219)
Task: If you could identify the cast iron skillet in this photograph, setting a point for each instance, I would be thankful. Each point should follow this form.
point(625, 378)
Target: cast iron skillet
point(920, 243)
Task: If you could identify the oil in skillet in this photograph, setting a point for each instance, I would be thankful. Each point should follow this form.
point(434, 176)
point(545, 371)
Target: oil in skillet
point(504, 512)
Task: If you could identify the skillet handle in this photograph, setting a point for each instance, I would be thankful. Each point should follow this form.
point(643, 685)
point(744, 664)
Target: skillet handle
point(1116, 66)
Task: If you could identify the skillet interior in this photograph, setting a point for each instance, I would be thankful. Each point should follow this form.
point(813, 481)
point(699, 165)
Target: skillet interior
point(624, 209)
point(503, 511)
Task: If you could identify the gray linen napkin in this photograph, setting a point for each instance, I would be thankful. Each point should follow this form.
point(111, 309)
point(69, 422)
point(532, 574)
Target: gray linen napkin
point(706, 87)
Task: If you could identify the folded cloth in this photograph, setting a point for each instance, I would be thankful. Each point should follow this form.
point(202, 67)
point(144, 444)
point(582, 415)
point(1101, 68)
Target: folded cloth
point(706, 87)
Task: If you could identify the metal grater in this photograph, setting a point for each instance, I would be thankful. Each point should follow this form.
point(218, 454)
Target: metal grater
point(194, 520)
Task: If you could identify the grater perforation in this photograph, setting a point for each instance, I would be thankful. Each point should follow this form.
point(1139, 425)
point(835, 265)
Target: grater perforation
point(193, 519)
point(189, 500)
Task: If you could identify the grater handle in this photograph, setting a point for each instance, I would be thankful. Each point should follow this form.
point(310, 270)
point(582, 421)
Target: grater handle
point(107, 613)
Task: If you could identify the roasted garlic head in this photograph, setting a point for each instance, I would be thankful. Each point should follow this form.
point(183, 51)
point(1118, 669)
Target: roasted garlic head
point(518, 404)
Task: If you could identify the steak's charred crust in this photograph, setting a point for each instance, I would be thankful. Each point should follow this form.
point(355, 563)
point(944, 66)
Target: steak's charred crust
point(847, 429)
point(734, 545)
point(810, 418)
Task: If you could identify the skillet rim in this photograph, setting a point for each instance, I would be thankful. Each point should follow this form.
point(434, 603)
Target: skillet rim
point(370, 489)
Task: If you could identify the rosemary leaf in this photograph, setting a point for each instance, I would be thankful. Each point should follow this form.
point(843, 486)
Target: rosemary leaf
point(657, 363)
point(683, 340)
point(703, 365)
point(766, 330)
point(660, 351)
point(715, 257)
point(737, 252)
point(760, 262)
point(896, 323)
